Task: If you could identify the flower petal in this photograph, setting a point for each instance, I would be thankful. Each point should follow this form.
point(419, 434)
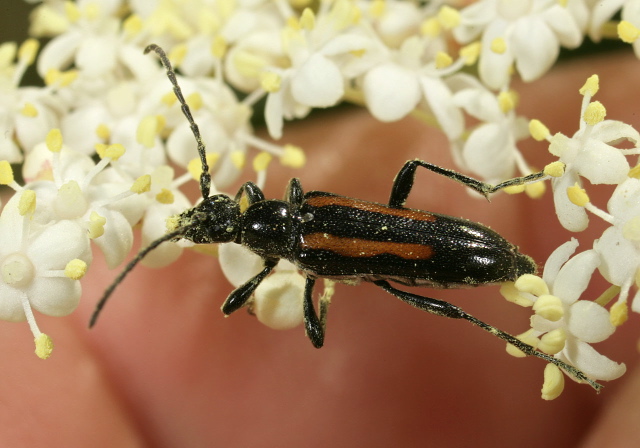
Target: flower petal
point(318, 82)
point(589, 321)
point(390, 91)
point(593, 364)
point(574, 276)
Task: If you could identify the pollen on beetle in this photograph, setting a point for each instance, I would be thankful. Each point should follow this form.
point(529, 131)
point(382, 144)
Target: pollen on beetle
point(498, 45)
point(142, 184)
point(578, 195)
point(44, 346)
point(75, 269)
point(173, 222)
point(54, 140)
point(594, 113)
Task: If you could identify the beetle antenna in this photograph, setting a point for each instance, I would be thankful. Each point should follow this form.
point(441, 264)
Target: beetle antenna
point(205, 177)
point(107, 293)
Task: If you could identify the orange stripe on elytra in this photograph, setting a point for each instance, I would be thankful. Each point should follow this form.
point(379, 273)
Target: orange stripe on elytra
point(356, 247)
point(323, 201)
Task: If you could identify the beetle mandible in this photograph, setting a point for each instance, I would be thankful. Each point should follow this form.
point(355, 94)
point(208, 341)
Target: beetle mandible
point(345, 239)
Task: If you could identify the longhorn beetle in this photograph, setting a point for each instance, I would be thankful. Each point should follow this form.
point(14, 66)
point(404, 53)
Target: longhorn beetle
point(350, 240)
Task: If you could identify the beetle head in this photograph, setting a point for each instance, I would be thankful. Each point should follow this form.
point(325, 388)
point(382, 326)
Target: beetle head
point(215, 220)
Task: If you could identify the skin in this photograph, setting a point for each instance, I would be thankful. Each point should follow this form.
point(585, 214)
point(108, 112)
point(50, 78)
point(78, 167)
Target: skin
point(163, 368)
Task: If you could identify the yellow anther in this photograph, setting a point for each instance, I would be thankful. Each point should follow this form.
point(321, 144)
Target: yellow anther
point(238, 158)
point(553, 382)
point(555, 169)
point(535, 190)
point(498, 45)
point(270, 81)
point(377, 8)
point(29, 110)
point(514, 189)
point(53, 140)
point(449, 17)
point(44, 346)
point(631, 229)
point(177, 54)
point(594, 113)
point(308, 19)
point(443, 60)
point(67, 77)
point(28, 51)
point(511, 293)
point(165, 196)
point(142, 184)
point(591, 86)
point(431, 27)
point(96, 225)
point(92, 10)
point(619, 314)
point(553, 342)
point(219, 47)
point(169, 99)
point(8, 52)
point(293, 156)
point(261, 161)
point(528, 338)
point(470, 53)
point(538, 130)
point(75, 269)
point(634, 172)
point(248, 64)
point(148, 130)
point(72, 11)
point(550, 307)
point(113, 152)
point(6, 173)
point(628, 32)
point(194, 101)
point(52, 76)
point(132, 25)
point(532, 284)
point(27, 203)
point(507, 101)
point(103, 132)
point(578, 195)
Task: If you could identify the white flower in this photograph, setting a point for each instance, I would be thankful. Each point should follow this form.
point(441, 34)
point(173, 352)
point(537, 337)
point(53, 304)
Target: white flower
point(619, 245)
point(395, 86)
point(589, 153)
point(527, 32)
point(566, 325)
point(320, 52)
point(39, 265)
point(490, 149)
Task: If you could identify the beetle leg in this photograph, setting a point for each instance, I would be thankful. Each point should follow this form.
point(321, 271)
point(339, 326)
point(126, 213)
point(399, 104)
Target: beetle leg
point(294, 194)
point(251, 191)
point(238, 298)
point(445, 309)
point(314, 326)
point(403, 182)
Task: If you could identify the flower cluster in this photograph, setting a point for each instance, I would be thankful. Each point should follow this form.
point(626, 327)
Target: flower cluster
point(103, 144)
